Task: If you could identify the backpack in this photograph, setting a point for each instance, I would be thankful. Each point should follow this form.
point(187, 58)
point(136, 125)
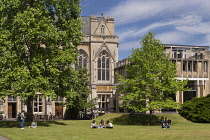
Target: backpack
point(19, 117)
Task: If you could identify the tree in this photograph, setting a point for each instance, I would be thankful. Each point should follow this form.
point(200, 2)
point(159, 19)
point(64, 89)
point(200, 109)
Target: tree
point(78, 102)
point(196, 110)
point(150, 78)
point(38, 45)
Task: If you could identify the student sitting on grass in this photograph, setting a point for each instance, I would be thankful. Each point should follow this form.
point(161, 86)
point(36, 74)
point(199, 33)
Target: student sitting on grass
point(102, 124)
point(165, 124)
point(33, 125)
point(93, 124)
point(109, 124)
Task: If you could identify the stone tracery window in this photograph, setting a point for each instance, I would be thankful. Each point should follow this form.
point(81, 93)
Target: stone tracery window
point(82, 60)
point(103, 66)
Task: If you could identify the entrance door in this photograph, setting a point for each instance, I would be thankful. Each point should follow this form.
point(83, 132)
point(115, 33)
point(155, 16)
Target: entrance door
point(58, 111)
point(12, 110)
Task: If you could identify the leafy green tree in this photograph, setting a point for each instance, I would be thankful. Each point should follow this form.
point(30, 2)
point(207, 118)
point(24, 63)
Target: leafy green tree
point(150, 78)
point(78, 102)
point(196, 110)
point(38, 45)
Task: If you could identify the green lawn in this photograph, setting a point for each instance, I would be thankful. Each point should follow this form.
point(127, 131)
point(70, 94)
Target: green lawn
point(125, 128)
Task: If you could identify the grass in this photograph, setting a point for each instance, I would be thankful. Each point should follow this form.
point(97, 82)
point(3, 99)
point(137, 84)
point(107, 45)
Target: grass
point(126, 127)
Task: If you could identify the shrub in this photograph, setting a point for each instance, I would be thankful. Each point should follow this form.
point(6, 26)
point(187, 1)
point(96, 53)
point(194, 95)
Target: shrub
point(196, 110)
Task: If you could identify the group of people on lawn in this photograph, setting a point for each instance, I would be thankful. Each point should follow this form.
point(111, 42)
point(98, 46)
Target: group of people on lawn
point(165, 122)
point(102, 124)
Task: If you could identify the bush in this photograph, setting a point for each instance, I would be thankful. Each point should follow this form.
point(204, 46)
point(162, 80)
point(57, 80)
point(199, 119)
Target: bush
point(196, 110)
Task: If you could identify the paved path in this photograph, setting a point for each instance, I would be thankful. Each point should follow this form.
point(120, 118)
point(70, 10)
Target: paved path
point(3, 138)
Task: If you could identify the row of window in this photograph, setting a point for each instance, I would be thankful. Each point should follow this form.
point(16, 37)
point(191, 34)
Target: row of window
point(181, 54)
point(192, 66)
point(37, 102)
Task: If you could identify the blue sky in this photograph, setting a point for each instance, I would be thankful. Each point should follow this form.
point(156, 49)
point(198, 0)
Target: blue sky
point(181, 22)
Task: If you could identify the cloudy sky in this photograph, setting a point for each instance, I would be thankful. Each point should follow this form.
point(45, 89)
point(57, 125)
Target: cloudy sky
point(181, 22)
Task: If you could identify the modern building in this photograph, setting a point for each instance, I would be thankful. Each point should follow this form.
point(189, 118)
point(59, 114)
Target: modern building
point(99, 54)
point(192, 63)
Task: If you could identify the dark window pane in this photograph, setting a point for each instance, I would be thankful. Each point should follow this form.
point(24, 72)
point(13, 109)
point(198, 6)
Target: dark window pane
point(9, 98)
point(99, 74)
point(99, 63)
point(80, 61)
point(103, 74)
point(107, 75)
point(184, 65)
point(103, 62)
point(194, 66)
point(189, 65)
point(84, 63)
point(40, 107)
point(107, 63)
point(14, 98)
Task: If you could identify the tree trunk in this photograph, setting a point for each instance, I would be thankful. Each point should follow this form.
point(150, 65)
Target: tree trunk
point(30, 109)
point(150, 119)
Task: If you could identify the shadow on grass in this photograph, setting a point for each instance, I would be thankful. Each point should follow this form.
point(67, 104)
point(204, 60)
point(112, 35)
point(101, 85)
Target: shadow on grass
point(11, 124)
point(136, 119)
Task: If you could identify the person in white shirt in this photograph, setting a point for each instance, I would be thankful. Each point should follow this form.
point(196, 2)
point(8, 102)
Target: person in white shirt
point(93, 124)
point(109, 124)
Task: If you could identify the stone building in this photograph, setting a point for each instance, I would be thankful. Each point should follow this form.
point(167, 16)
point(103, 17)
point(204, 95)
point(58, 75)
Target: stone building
point(192, 63)
point(98, 52)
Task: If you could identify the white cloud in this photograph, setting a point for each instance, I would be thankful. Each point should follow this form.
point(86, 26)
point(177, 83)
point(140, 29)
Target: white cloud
point(129, 45)
point(201, 28)
point(181, 24)
point(134, 10)
point(172, 37)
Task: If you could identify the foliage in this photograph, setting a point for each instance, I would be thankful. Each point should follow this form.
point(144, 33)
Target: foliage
point(196, 110)
point(151, 78)
point(76, 102)
point(38, 45)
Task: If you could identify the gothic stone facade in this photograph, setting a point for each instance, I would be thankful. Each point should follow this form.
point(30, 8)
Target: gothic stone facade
point(99, 54)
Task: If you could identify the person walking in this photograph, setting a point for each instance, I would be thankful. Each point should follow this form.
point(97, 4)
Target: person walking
point(22, 120)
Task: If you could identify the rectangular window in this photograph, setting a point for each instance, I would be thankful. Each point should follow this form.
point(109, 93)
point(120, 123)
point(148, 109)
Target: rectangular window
point(9, 98)
point(189, 65)
point(184, 66)
point(179, 55)
point(38, 104)
point(194, 65)
point(40, 107)
point(35, 107)
point(205, 66)
point(12, 98)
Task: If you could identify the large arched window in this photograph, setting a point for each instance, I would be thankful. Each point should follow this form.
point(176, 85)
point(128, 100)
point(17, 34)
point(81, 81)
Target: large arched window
point(82, 60)
point(103, 67)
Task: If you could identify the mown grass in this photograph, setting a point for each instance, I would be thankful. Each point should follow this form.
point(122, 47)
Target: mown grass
point(132, 127)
